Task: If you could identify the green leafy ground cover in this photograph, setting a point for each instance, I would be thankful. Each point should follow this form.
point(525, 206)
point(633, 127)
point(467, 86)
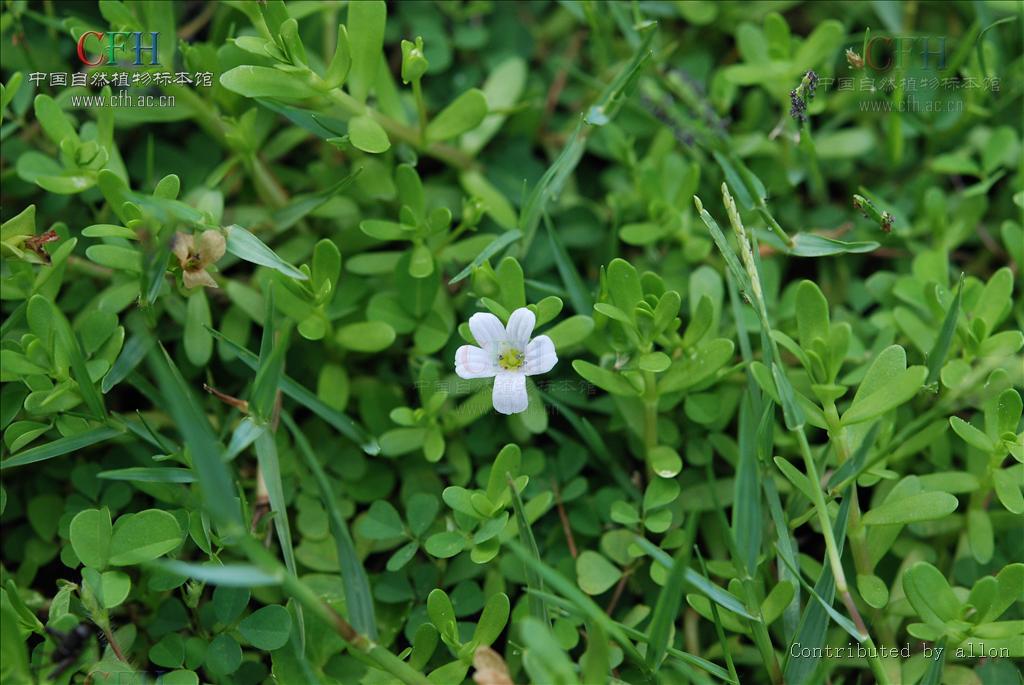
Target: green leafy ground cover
point(755, 417)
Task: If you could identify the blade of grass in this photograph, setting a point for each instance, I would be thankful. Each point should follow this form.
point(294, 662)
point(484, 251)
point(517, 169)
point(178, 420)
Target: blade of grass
point(665, 610)
point(245, 434)
point(219, 500)
point(207, 453)
point(843, 622)
point(147, 433)
point(346, 426)
point(765, 431)
point(693, 660)
point(580, 297)
point(938, 354)
point(533, 578)
point(495, 246)
point(61, 446)
point(852, 467)
point(719, 630)
point(271, 364)
point(746, 511)
point(787, 549)
point(293, 212)
point(751, 590)
point(602, 112)
point(263, 402)
point(358, 597)
point(143, 474)
point(933, 676)
point(379, 655)
point(133, 352)
point(814, 621)
point(66, 338)
point(596, 661)
point(596, 444)
point(696, 580)
point(154, 270)
point(732, 260)
point(270, 470)
point(568, 589)
point(228, 575)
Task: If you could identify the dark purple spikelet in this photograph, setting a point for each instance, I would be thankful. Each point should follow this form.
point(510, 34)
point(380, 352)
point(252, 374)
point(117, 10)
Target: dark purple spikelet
point(812, 83)
point(887, 222)
point(798, 108)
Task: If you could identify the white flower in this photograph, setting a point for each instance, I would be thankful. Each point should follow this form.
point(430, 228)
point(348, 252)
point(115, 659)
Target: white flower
point(507, 354)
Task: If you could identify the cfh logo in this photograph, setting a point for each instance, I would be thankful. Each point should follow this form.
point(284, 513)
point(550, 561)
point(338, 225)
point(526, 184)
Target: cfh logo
point(114, 43)
point(886, 52)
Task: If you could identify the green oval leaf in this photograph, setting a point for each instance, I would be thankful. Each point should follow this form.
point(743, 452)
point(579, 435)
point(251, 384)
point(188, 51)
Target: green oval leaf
point(464, 113)
point(144, 536)
point(267, 628)
point(924, 506)
point(367, 135)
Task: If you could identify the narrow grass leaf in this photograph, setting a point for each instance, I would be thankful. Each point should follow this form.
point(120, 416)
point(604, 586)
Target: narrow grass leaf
point(297, 209)
point(699, 582)
point(933, 676)
point(851, 468)
point(345, 425)
point(227, 575)
point(66, 338)
point(843, 622)
point(144, 474)
point(634, 634)
point(666, 610)
point(732, 260)
point(358, 597)
point(133, 352)
point(247, 246)
point(719, 629)
point(579, 295)
point(791, 410)
point(747, 516)
point(207, 454)
point(801, 666)
point(244, 435)
point(61, 446)
point(937, 356)
point(533, 577)
point(602, 112)
point(271, 363)
point(596, 444)
point(498, 244)
point(568, 589)
point(270, 470)
point(154, 271)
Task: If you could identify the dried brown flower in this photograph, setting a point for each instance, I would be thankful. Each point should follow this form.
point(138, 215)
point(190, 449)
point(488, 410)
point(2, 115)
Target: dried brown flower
point(195, 258)
point(490, 668)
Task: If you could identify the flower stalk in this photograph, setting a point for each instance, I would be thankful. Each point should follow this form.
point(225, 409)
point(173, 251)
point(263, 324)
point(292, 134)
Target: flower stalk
point(799, 99)
point(796, 426)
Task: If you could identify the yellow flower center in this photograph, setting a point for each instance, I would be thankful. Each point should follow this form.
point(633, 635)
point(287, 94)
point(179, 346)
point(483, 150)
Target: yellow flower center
point(511, 359)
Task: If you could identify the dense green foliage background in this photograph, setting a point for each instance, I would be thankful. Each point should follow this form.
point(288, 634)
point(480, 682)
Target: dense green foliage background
point(777, 248)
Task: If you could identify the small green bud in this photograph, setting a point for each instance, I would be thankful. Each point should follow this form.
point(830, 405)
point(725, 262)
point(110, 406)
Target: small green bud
point(193, 593)
point(885, 220)
point(472, 212)
point(414, 62)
